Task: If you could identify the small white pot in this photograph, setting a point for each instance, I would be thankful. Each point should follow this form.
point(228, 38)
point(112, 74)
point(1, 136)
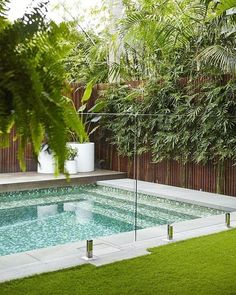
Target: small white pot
point(46, 163)
point(85, 157)
point(71, 166)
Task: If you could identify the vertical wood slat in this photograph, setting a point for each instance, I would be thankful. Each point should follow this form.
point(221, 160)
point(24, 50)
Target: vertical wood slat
point(198, 177)
point(8, 157)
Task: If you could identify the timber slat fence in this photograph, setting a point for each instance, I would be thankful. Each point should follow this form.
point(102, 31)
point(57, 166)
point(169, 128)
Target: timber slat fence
point(8, 157)
point(191, 175)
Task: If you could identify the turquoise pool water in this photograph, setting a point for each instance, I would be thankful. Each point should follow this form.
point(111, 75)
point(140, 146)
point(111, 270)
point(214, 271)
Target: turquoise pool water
point(41, 218)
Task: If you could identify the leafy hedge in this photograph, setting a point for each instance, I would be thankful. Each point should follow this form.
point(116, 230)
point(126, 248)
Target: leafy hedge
point(173, 121)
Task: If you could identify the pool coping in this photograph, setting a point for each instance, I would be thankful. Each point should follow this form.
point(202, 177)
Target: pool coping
point(216, 201)
point(32, 180)
point(116, 247)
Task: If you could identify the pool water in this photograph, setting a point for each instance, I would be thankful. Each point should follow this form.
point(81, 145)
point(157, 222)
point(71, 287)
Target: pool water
point(47, 217)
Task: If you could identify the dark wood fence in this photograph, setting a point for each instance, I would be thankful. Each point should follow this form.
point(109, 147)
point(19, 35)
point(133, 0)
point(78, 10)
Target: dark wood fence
point(199, 177)
point(192, 176)
point(8, 157)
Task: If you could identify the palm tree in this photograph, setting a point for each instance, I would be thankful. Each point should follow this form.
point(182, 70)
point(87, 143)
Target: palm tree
point(220, 34)
point(163, 34)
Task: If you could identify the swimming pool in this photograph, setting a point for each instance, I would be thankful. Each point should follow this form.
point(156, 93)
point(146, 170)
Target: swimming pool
point(47, 217)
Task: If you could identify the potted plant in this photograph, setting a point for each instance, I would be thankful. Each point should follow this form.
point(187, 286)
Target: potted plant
point(85, 148)
point(46, 161)
point(70, 164)
point(85, 153)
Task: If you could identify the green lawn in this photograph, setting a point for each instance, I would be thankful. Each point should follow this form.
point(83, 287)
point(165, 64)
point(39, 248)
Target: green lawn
point(205, 265)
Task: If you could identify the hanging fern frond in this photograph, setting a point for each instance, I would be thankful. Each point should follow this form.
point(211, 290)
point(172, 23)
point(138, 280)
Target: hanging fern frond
point(32, 84)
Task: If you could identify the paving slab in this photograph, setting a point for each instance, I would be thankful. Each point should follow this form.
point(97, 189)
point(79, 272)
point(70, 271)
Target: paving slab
point(16, 260)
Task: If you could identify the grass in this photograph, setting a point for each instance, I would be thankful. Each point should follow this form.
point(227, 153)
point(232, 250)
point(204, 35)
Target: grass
point(205, 265)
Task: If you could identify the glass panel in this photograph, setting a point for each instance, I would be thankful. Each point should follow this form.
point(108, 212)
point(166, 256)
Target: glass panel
point(114, 151)
point(163, 171)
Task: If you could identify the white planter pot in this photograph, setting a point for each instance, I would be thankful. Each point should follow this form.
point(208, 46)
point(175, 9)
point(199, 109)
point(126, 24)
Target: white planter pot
point(46, 162)
point(71, 166)
point(85, 157)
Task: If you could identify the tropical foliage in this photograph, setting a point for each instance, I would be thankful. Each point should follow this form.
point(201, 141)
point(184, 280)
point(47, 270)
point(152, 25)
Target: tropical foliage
point(185, 51)
point(33, 83)
point(88, 59)
point(167, 37)
point(182, 52)
point(176, 121)
point(220, 36)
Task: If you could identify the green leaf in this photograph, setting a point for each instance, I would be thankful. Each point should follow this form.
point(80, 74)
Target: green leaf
point(37, 134)
point(226, 5)
point(98, 107)
point(93, 130)
point(82, 108)
point(87, 92)
point(74, 122)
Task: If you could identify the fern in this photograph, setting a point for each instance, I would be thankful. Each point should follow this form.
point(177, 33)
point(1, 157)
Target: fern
point(32, 83)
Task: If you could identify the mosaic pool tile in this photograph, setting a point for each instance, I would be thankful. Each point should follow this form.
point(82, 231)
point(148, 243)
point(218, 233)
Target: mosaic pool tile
point(47, 217)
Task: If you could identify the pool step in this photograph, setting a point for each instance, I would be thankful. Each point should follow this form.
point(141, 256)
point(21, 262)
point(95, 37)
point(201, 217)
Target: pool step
point(48, 200)
point(119, 196)
point(109, 208)
point(157, 202)
point(101, 197)
point(83, 217)
point(146, 218)
point(142, 205)
point(146, 212)
point(117, 214)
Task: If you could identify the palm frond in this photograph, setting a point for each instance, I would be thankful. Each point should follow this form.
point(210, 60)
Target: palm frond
point(228, 6)
point(221, 57)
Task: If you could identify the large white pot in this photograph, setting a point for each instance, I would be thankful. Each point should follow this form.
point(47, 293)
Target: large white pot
point(46, 163)
point(71, 166)
point(85, 157)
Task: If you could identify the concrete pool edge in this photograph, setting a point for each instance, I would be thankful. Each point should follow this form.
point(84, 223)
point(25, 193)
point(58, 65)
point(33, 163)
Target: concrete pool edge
point(106, 249)
point(119, 246)
point(216, 201)
point(21, 181)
